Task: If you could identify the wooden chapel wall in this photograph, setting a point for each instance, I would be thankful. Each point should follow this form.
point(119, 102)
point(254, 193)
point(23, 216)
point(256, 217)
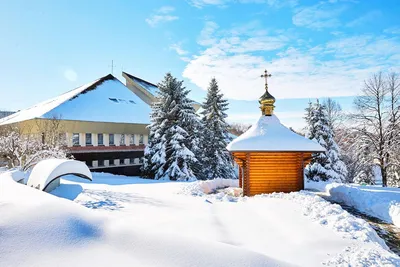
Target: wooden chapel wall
point(268, 172)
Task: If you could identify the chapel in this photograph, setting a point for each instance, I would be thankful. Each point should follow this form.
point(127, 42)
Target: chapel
point(270, 156)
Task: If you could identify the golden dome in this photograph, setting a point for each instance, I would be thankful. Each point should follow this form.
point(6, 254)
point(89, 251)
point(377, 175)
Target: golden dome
point(266, 100)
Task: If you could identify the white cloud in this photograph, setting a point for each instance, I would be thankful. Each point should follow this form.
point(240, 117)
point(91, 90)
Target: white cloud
point(178, 49)
point(224, 3)
point(70, 75)
point(207, 33)
point(165, 9)
point(202, 3)
point(370, 16)
point(392, 30)
point(335, 68)
point(163, 14)
point(319, 16)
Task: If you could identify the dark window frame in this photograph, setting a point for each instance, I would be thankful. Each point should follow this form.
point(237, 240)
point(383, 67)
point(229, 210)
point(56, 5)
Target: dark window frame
point(132, 139)
point(109, 140)
point(122, 140)
point(141, 139)
point(102, 139)
point(90, 139)
point(74, 135)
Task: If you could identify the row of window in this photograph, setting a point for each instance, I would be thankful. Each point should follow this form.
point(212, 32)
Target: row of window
point(100, 139)
point(100, 162)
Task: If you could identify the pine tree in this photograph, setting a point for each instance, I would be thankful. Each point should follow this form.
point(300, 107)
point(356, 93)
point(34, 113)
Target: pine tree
point(328, 165)
point(216, 159)
point(170, 152)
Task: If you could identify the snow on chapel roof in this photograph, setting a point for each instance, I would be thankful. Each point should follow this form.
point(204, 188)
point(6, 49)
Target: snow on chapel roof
point(268, 134)
point(103, 100)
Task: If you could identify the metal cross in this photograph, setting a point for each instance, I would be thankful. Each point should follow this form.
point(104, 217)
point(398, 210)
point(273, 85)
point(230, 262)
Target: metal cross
point(112, 66)
point(266, 75)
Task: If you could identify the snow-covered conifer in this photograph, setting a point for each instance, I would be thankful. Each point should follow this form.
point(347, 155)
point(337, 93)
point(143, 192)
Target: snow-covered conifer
point(328, 165)
point(216, 159)
point(169, 154)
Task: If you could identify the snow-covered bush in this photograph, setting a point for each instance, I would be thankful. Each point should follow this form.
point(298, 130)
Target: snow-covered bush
point(200, 188)
point(25, 150)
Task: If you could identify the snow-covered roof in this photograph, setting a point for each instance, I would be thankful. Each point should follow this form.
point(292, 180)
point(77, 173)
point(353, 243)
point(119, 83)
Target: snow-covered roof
point(148, 86)
point(268, 134)
point(103, 100)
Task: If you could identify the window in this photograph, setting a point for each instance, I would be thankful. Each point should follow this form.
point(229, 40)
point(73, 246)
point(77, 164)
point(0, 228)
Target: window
point(132, 139)
point(89, 163)
point(75, 139)
point(101, 162)
point(122, 140)
point(121, 161)
point(100, 140)
point(88, 138)
point(111, 142)
point(132, 161)
point(141, 139)
point(111, 162)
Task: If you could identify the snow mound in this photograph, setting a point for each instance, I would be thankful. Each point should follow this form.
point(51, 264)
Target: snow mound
point(16, 175)
point(379, 202)
point(39, 229)
point(268, 134)
point(200, 188)
point(49, 170)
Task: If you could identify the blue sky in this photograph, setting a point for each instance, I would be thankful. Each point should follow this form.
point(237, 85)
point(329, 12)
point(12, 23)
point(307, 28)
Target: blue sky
point(312, 48)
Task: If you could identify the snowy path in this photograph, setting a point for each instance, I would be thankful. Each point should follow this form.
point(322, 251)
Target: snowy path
point(380, 202)
point(276, 228)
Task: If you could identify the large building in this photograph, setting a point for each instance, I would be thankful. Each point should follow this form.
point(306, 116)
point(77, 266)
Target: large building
point(104, 123)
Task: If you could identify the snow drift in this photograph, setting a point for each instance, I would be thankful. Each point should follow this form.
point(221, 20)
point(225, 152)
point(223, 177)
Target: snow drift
point(200, 188)
point(39, 229)
point(379, 202)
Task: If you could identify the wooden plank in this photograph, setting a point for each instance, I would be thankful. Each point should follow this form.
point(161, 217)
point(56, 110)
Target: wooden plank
point(247, 189)
point(240, 177)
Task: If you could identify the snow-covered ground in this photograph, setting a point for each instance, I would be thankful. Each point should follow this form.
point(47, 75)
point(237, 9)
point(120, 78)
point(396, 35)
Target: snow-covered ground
point(377, 201)
point(124, 221)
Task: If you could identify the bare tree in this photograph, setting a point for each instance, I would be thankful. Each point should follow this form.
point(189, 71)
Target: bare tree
point(334, 113)
point(393, 138)
point(23, 147)
point(238, 128)
point(377, 120)
point(51, 131)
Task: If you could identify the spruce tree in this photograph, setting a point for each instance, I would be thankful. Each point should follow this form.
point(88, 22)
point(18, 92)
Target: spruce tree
point(216, 160)
point(323, 166)
point(169, 153)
